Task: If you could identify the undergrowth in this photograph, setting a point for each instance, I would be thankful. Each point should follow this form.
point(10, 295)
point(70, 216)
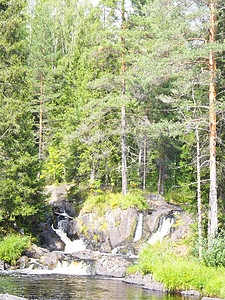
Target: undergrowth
point(180, 273)
point(12, 247)
point(104, 201)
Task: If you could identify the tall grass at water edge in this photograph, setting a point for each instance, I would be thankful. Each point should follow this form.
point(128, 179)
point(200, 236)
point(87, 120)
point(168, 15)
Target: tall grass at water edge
point(180, 273)
point(12, 247)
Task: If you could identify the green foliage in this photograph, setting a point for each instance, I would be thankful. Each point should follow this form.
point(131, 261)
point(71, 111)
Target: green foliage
point(213, 251)
point(182, 196)
point(77, 197)
point(180, 273)
point(12, 247)
point(106, 200)
point(54, 170)
point(21, 197)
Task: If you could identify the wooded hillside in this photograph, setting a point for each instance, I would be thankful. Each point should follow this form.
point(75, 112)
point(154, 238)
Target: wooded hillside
point(117, 96)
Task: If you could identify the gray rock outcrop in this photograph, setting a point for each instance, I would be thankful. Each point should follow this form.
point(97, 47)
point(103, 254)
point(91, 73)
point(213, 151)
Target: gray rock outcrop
point(117, 231)
point(10, 297)
point(146, 281)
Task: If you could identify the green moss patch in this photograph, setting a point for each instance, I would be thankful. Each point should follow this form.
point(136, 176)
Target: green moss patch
point(102, 202)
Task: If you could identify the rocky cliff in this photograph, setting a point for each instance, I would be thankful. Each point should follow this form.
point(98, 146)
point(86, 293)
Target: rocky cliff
point(117, 231)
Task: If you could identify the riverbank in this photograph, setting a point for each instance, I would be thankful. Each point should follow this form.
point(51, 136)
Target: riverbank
point(111, 243)
point(177, 273)
point(156, 269)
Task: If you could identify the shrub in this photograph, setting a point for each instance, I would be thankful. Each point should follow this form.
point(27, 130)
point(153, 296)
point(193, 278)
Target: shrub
point(213, 251)
point(12, 247)
point(182, 197)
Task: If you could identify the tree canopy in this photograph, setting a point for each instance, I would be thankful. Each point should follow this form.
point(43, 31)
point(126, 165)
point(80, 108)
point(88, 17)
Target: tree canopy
point(91, 94)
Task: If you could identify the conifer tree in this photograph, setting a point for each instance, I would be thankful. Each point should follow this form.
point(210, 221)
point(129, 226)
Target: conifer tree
point(21, 194)
point(44, 75)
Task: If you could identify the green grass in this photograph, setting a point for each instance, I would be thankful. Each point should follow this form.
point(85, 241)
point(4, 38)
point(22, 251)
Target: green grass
point(180, 273)
point(104, 201)
point(12, 247)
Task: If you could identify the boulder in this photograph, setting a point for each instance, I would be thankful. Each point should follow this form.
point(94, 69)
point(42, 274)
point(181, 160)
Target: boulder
point(51, 259)
point(112, 266)
point(157, 201)
point(23, 262)
point(35, 252)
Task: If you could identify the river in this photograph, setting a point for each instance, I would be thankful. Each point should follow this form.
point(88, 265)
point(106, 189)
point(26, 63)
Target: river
point(61, 287)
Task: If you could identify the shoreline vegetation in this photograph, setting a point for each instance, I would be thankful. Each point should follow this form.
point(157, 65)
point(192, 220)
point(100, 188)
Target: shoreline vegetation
point(179, 273)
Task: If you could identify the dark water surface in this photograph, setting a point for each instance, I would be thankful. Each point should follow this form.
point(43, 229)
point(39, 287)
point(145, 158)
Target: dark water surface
point(63, 287)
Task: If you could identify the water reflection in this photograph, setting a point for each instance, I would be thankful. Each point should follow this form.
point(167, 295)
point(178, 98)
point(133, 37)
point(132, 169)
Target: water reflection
point(61, 287)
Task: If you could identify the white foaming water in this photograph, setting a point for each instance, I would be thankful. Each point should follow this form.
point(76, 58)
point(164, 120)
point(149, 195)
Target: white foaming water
point(138, 231)
point(164, 229)
point(80, 268)
point(73, 246)
point(70, 246)
point(74, 268)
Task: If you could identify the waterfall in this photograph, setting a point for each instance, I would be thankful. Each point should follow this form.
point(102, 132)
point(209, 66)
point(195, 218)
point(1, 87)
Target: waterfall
point(61, 231)
point(164, 228)
point(75, 268)
point(138, 230)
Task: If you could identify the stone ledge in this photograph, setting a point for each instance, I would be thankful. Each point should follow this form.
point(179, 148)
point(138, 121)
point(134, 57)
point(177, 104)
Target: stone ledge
point(10, 297)
point(146, 281)
point(208, 298)
point(191, 293)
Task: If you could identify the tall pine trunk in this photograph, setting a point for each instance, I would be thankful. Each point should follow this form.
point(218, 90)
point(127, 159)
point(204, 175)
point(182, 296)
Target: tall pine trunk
point(160, 174)
point(123, 146)
point(213, 217)
point(123, 114)
point(41, 108)
point(161, 181)
point(41, 118)
point(144, 163)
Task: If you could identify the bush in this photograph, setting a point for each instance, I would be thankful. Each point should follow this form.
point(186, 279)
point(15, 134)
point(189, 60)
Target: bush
point(213, 251)
point(182, 196)
point(12, 247)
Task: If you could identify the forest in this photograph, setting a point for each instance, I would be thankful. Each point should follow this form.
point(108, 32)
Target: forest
point(117, 96)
